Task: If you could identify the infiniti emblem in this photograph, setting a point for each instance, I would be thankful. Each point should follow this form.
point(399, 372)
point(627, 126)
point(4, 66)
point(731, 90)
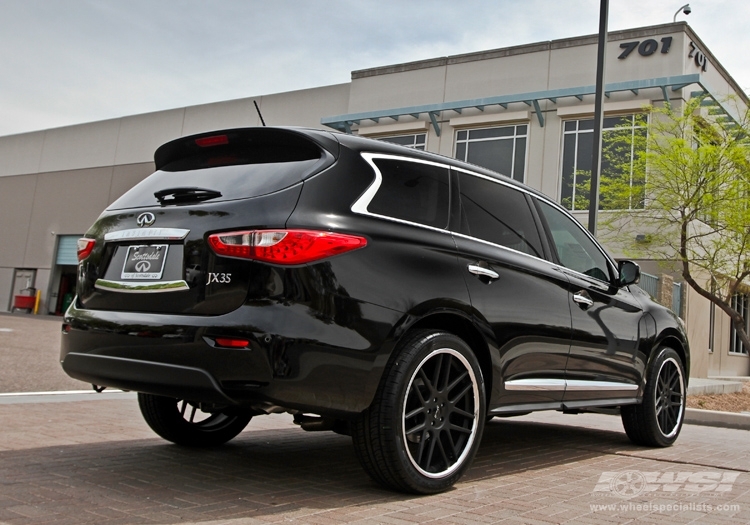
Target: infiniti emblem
point(142, 266)
point(145, 219)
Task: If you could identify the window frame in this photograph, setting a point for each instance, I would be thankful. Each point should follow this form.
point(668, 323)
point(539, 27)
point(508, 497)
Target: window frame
point(418, 145)
point(577, 132)
point(514, 138)
point(734, 341)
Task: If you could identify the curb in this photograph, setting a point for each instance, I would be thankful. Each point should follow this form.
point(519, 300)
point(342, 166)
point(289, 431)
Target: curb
point(714, 418)
point(14, 398)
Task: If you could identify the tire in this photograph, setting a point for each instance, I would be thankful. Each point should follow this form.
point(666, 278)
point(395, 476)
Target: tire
point(183, 423)
point(424, 426)
point(657, 421)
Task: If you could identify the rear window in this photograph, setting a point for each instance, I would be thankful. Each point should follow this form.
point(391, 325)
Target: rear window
point(230, 165)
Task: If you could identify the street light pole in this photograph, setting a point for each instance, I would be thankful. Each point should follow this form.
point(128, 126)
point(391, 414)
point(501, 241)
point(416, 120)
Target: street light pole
point(596, 156)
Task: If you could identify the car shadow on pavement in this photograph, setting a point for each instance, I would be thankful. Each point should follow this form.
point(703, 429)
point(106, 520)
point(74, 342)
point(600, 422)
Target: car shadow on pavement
point(261, 473)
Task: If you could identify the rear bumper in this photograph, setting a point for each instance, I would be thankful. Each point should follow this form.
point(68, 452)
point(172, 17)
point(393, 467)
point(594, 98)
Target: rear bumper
point(294, 360)
point(145, 376)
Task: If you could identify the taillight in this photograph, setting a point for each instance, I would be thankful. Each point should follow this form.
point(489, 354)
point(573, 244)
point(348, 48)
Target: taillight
point(85, 247)
point(284, 246)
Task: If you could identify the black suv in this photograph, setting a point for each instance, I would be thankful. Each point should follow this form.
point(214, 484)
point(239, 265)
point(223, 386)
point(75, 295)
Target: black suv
point(394, 295)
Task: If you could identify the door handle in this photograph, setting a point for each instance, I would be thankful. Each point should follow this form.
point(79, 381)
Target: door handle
point(583, 299)
point(483, 272)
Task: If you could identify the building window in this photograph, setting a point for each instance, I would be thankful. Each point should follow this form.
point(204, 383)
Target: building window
point(711, 322)
point(740, 302)
point(500, 149)
point(622, 180)
point(416, 141)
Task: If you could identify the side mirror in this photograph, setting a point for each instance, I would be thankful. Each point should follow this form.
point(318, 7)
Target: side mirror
point(630, 273)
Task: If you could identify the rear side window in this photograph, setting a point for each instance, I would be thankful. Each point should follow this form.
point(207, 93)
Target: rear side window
point(498, 214)
point(413, 192)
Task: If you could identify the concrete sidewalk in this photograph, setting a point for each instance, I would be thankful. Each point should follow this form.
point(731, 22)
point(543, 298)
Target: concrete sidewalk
point(700, 386)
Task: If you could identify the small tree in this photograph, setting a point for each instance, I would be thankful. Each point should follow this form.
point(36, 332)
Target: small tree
point(696, 206)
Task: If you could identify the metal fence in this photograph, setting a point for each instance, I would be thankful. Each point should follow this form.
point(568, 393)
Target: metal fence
point(650, 284)
point(677, 298)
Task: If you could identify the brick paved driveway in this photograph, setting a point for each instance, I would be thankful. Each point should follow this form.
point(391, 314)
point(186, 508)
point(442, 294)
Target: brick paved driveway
point(88, 459)
point(95, 461)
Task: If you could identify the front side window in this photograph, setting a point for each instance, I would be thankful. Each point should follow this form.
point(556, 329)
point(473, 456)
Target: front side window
point(415, 141)
point(500, 149)
point(622, 181)
point(412, 191)
point(498, 214)
point(574, 248)
point(741, 304)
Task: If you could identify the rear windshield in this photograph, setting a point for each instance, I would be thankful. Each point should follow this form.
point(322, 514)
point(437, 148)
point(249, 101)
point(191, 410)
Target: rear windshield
point(233, 182)
point(242, 164)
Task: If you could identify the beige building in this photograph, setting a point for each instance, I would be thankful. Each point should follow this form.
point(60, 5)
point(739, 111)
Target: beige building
point(525, 111)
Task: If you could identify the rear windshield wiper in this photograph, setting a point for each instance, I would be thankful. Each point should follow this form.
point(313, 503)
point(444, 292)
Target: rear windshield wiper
point(178, 195)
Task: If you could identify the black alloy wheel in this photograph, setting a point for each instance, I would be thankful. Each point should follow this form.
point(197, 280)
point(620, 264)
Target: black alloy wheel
point(658, 420)
point(182, 422)
point(424, 427)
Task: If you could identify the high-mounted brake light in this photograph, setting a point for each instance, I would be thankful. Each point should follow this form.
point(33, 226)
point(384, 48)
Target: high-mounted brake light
point(215, 140)
point(85, 247)
point(284, 246)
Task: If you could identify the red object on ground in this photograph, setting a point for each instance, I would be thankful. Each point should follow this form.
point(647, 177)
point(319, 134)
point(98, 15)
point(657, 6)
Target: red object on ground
point(24, 302)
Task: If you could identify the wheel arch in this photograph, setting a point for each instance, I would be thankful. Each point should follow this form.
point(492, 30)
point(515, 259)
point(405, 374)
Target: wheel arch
point(460, 326)
point(672, 339)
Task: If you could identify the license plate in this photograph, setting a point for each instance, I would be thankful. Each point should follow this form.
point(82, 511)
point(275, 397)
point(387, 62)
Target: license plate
point(145, 262)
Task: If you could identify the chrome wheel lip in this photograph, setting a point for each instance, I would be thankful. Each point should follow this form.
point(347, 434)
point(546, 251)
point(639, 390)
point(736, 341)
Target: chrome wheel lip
point(657, 395)
point(472, 437)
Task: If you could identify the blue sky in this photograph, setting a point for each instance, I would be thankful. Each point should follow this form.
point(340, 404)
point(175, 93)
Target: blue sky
point(70, 61)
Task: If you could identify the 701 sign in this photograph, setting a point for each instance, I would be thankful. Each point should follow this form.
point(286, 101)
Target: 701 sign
point(649, 47)
point(645, 48)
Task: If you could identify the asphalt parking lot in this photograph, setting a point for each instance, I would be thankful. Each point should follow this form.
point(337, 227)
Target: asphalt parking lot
point(89, 458)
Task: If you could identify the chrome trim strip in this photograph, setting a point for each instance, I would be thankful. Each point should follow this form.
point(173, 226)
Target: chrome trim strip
point(567, 384)
point(578, 385)
point(141, 287)
point(156, 234)
point(536, 384)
